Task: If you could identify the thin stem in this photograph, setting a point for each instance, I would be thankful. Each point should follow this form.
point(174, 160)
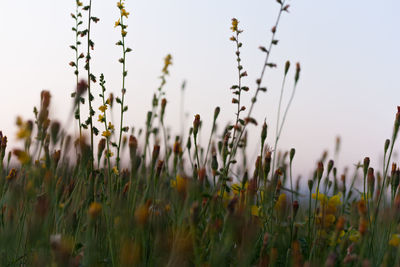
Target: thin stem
point(89, 85)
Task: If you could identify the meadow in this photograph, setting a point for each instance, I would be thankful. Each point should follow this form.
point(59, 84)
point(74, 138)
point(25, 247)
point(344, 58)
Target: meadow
point(115, 195)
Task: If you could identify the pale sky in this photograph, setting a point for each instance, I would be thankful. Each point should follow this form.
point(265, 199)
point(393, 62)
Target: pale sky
point(348, 50)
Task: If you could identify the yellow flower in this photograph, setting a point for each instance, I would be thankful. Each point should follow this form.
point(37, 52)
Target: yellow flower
point(335, 200)
point(94, 209)
point(179, 183)
point(167, 62)
point(321, 197)
point(123, 32)
point(109, 154)
point(167, 207)
point(235, 24)
point(255, 210)
point(22, 156)
point(354, 235)
point(281, 202)
point(101, 118)
point(334, 242)
point(110, 126)
point(117, 23)
point(395, 240)
point(329, 220)
point(142, 213)
point(12, 174)
point(23, 132)
point(333, 203)
point(120, 5)
point(106, 133)
point(115, 170)
point(124, 13)
point(79, 3)
point(103, 108)
point(19, 121)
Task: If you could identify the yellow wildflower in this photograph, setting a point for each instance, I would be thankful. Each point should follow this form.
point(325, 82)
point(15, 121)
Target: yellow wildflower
point(338, 240)
point(281, 202)
point(115, 170)
point(79, 3)
point(22, 156)
point(179, 183)
point(110, 126)
point(142, 213)
point(109, 154)
point(124, 13)
point(237, 188)
point(120, 5)
point(235, 24)
point(167, 62)
point(23, 132)
point(167, 207)
point(321, 197)
point(329, 220)
point(335, 200)
point(117, 23)
point(19, 121)
point(333, 203)
point(103, 108)
point(12, 174)
point(106, 133)
point(255, 210)
point(395, 240)
point(354, 235)
point(123, 32)
point(94, 209)
point(101, 118)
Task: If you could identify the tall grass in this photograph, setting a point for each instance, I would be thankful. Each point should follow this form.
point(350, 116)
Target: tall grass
point(182, 204)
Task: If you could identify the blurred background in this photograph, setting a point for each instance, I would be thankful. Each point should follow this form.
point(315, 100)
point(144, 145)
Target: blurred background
point(348, 51)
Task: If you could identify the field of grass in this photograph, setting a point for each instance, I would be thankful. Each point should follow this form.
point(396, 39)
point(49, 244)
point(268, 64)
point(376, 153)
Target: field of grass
point(110, 195)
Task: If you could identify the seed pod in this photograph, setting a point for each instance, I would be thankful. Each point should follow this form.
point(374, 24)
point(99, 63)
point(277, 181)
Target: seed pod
point(366, 165)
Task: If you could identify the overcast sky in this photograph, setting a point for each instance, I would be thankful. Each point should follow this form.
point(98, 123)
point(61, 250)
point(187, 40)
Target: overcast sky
point(348, 50)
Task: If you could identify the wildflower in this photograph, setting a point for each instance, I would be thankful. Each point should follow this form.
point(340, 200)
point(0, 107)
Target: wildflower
point(236, 188)
point(338, 240)
point(333, 203)
point(22, 156)
point(12, 174)
point(79, 3)
point(167, 63)
point(23, 132)
point(110, 126)
point(101, 118)
point(281, 202)
point(124, 13)
point(115, 170)
point(109, 154)
point(354, 235)
point(117, 23)
point(255, 210)
point(395, 240)
point(142, 213)
point(94, 209)
point(123, 32)
point(103, 108)
point(120, 5)
point(320, 197)
point(180, 183)
point(167, 207)
point(235, 24)
point(106, 133)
